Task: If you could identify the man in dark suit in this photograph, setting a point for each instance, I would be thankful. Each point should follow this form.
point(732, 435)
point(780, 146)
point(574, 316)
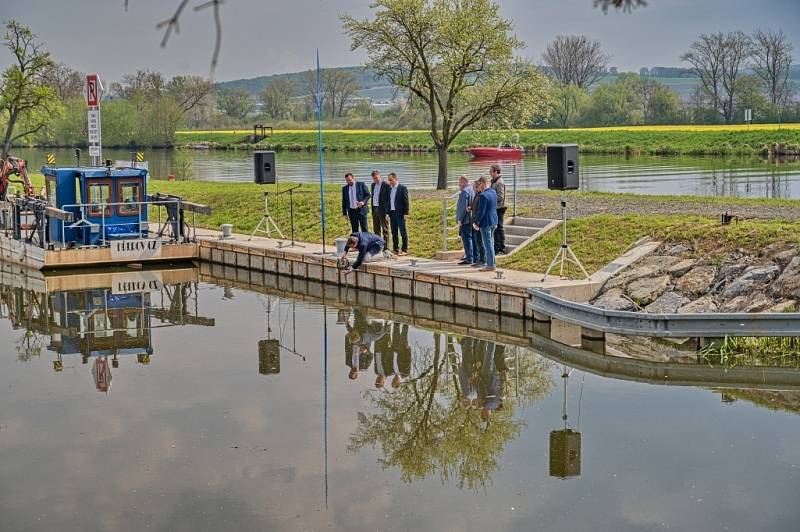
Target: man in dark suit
point(379, 204)
point(354, 202)
point(398, 210)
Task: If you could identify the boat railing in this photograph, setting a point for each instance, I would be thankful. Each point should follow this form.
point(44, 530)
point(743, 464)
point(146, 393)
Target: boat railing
point(172, 228)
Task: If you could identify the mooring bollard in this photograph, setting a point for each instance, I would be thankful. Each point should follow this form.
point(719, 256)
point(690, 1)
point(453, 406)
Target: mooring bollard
point(498, 274)
point(413, 263)
point(227, 230)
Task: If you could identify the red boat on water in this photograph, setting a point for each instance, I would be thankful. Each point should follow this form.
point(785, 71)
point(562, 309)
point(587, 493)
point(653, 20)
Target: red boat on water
point(499, 152)
point(504, 150)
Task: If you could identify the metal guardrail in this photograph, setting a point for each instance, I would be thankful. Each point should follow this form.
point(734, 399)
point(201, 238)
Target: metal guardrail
point(711, 325)
point(448, 216)
point(668, 373)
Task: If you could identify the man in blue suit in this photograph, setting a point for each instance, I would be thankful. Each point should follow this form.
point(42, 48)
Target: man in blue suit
point(365, 243)
point(486, 220)
point(355, 196)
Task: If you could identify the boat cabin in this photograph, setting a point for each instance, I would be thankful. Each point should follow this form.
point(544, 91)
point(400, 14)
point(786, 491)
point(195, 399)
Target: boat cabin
point(106, 204)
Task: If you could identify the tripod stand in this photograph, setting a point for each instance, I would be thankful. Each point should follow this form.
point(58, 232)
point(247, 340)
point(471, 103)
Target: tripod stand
point(266, 221)
point(564, 253)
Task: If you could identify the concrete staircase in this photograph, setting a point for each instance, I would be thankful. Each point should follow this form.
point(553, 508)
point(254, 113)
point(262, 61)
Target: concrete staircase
point(521, 231)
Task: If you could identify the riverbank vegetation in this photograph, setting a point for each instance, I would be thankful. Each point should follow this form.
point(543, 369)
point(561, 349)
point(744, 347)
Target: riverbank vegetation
point(650, 140)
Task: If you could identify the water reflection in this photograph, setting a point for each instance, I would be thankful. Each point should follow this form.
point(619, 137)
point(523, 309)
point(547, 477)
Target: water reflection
point(446, 412)
point(102, 317)
point(478, 433)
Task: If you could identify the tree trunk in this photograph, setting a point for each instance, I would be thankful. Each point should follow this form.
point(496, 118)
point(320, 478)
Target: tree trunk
point(12, 120)
point(441, 182)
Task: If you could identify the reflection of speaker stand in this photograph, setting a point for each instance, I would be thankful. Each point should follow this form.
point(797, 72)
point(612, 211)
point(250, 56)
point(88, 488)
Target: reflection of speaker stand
point(267, 224)
point(565, 445)
point(564, 253)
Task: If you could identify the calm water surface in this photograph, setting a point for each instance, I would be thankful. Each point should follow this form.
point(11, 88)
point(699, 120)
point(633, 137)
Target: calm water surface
point(704, 176)
point(198, 406)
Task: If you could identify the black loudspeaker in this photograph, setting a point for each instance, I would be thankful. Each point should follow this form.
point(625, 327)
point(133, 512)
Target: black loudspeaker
point(269, 357)
point(264, 166)
point(565, 453)
point(562, 167)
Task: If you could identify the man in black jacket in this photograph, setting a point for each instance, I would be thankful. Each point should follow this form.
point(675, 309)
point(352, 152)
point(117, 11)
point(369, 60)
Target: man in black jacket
point(398, 210)
point(354, 202)
point(379, 204)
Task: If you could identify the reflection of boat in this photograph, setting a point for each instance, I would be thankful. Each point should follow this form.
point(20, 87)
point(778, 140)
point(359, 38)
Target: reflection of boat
point(100, 315)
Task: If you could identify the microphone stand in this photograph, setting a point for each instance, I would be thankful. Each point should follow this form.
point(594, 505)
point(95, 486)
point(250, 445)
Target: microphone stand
point(291, 217)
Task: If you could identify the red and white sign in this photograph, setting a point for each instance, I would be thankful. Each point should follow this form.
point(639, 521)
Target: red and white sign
point(92, 90)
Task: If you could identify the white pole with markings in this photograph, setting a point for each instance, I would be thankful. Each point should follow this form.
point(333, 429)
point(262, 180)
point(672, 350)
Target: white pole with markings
point(93, 93)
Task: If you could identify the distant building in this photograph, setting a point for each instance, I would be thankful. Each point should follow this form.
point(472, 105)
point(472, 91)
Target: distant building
point(613, 71)
point(644, 72)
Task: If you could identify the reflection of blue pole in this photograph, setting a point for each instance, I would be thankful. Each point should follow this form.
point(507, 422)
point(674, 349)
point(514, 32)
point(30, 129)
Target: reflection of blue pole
point(325, 387)
point(318, 101)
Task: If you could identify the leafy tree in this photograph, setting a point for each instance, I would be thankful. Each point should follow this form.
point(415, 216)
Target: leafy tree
point(235, 103)
point(276, 97)
point(751, 96)
point(454, 57)
point(610, 105)
point(567, 103)
point(25, 97)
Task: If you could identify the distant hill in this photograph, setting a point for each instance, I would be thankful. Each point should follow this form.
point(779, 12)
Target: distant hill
point(682, 80)
point(371, 86)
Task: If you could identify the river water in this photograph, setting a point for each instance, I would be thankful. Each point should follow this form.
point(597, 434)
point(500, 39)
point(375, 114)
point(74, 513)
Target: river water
point(703, 176)
point(197, 405)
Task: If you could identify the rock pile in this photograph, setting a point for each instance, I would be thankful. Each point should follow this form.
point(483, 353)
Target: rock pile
point(675, 280)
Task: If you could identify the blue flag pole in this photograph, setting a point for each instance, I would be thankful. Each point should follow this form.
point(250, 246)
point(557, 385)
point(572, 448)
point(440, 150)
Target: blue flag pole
point(318, 101)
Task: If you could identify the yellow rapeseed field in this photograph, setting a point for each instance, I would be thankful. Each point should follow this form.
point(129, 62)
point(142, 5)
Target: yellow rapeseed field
point(644, 129)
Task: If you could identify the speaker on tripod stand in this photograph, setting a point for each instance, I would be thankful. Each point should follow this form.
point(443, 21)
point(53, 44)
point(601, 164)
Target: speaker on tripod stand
point(264, 174)
point(563, 174)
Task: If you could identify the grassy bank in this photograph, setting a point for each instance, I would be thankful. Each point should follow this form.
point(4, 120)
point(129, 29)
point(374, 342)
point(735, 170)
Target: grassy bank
point(653, 140)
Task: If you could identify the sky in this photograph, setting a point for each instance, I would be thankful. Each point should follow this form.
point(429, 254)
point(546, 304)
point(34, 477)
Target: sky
point(262, 37)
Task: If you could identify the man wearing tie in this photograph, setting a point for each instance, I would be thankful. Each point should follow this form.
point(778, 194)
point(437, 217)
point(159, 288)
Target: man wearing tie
point(398, 210)
point(379, 204)
point(354, 202)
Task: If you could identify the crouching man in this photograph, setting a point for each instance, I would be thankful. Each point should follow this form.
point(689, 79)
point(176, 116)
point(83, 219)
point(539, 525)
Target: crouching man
point(366, 244)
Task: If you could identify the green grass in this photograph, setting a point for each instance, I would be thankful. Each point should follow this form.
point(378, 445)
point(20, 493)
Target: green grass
point(610, 141)
point(750, 351)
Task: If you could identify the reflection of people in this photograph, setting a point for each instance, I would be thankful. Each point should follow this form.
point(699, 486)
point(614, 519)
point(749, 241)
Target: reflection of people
point(465, 377)
point(365, 243)
point(360, 336)
point(401, 354)
point(488, 383)
point(354, 202)
point(383, 359)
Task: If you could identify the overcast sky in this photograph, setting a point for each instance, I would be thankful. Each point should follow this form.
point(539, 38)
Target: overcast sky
point(263, 37)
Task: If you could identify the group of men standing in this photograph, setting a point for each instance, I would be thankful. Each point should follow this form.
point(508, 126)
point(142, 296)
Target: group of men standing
point(479, 213)
point(480, 210)
point(387, 201)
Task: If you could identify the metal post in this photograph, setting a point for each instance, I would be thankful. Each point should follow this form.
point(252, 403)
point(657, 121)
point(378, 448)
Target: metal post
point(514, 192)
point(444, 224)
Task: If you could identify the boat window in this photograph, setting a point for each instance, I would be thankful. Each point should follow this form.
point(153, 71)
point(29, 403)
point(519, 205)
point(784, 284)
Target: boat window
point(129, 195)
point(98, 193)
point(50, 191)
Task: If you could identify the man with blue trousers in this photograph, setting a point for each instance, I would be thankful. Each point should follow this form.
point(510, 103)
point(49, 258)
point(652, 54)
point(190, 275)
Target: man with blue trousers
point(355, 196)
point(463, 219)
point(486, 220)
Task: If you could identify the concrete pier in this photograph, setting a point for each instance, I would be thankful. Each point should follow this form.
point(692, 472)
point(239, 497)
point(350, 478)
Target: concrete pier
point(433, 281)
